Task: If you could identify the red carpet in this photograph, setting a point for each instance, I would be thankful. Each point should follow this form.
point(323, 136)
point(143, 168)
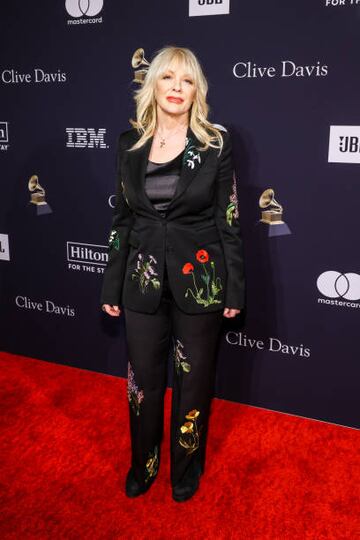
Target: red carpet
point(65, 452)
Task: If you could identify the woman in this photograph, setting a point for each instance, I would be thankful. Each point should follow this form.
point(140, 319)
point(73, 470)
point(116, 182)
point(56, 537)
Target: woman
point(175, 264)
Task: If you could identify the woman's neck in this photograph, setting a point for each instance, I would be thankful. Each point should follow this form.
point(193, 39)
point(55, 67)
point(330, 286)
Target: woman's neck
point(167, 123)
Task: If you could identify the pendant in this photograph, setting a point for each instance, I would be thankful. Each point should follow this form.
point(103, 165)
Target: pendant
point(162, 142)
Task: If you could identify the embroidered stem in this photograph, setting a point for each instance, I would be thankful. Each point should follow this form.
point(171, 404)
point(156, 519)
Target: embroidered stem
point(207, 281)
point(192, 292)
point(193, 276)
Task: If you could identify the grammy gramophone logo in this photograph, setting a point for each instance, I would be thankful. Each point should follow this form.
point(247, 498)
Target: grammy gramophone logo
point(38, 196)
point(272, 214)
point(137, 61)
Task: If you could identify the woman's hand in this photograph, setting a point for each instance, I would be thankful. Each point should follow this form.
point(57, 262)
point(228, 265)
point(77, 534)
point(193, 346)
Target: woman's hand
point(231, 312)
point(114, 311)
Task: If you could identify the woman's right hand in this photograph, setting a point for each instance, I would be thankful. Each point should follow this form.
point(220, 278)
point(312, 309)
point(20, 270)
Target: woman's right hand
point(114, 311)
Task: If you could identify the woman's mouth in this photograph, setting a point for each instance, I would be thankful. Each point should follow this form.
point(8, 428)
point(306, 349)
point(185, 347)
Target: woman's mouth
point(175, 99)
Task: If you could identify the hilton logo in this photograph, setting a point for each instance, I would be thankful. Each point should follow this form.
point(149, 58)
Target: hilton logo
point(341, 3)
point(344, 144)
point(208, 7)
point(85, 138)
point(4, 136)
point(90, 258)
point(4, 248)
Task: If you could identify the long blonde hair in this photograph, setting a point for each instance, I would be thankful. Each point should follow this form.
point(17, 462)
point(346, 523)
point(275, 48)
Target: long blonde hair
point(144, 97)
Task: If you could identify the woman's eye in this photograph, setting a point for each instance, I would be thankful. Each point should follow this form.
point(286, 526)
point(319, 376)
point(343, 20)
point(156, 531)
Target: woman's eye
point(186, 80)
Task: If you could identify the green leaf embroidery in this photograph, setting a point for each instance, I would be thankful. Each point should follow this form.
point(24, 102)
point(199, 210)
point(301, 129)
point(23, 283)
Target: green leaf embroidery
point(114, 240)
point(186, 367)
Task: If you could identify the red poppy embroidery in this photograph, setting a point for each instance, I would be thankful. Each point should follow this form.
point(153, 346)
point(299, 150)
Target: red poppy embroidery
point(202, 256)
point(188, 268)
point(210, 281)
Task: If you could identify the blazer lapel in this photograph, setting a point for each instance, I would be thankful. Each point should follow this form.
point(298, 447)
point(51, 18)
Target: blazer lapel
point(192, 162)
point(137, 162)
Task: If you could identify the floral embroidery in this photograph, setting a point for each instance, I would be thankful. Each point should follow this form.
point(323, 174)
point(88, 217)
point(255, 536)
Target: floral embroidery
point(145, 272)
point(152, 464)
point(190, 433)
point(114, 240)
point(135, 396)
point(213, 284)
point(180, 357)
point(232, 210)
point(190, 153)
point(188, 268)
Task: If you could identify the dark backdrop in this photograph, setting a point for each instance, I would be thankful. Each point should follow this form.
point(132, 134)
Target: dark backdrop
point(66, 93)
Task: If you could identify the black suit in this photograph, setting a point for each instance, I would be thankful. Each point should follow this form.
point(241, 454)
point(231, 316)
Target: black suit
point(199, 238)
point(201, 228)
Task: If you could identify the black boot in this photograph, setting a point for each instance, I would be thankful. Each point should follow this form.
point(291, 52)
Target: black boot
point(133, 488)
point(186, 488)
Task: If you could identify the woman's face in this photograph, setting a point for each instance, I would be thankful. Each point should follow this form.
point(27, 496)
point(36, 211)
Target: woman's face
point(175, 90)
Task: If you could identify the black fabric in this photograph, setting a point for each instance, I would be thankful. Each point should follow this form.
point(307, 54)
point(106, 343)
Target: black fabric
point(194, 340)
point(198, 239)
point(161, 181)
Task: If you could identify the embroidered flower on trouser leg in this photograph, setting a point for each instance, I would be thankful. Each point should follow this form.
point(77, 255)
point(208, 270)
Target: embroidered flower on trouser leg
point(179, 357)
point(135, 396)
point(152, 464)
point(190, 433)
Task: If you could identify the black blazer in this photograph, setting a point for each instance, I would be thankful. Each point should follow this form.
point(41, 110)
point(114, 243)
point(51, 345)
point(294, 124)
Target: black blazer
point(199, 238)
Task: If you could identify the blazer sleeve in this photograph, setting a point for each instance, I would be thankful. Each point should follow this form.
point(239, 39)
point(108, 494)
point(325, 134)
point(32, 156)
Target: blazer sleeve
point(227, 219)
point(118, 240)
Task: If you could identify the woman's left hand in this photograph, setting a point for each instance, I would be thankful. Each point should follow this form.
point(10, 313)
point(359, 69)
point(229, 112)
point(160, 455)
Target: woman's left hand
point(230, 312)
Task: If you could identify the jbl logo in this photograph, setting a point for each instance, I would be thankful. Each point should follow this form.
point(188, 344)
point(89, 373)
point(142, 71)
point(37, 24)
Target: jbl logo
point(198, 8)
point(344, 144)
point(349, 144)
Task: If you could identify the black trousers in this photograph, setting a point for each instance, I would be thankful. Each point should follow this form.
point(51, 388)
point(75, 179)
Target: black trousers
point(193, 340)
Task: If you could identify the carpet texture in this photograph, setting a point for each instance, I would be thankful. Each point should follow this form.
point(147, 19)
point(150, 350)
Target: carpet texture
point(65, 453)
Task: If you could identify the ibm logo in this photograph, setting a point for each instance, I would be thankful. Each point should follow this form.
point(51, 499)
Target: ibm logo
point(344, 144)
point(85, 138)
point(197, 8)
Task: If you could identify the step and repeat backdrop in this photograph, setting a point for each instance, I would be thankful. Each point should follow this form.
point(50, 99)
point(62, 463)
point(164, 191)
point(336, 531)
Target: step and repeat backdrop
point(284, 80)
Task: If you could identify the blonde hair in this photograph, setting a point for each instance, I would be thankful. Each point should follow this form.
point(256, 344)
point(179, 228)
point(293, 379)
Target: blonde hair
point(144, 97)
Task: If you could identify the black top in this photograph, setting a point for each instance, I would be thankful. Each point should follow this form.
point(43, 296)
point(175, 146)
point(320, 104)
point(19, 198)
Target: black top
point(161, 181)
